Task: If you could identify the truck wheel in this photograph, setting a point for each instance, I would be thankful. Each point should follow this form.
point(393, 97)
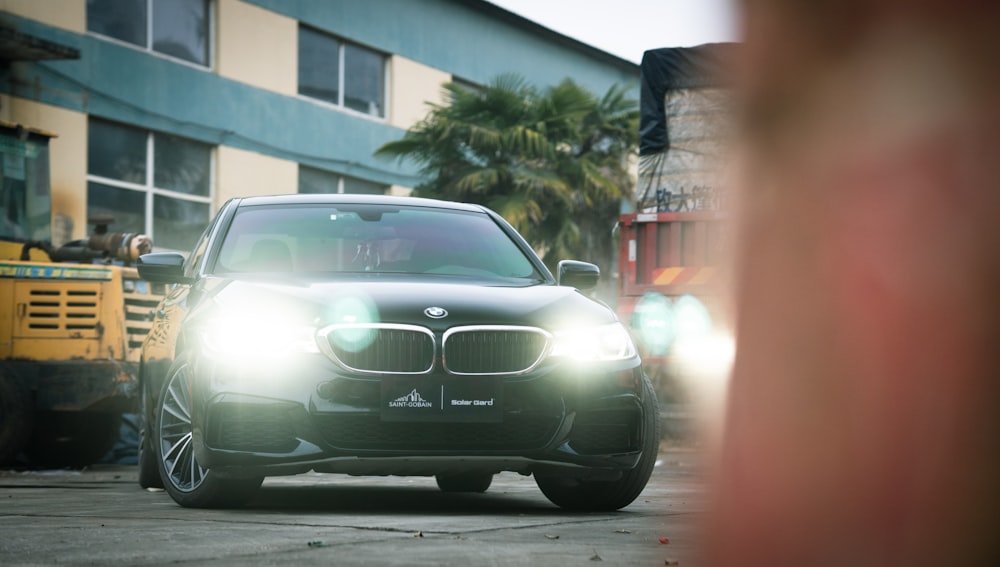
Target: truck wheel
point(188, 483)
point(147, 457)
point(16, 415)
point(464, 482)
point(606, 496)
point(72, 439)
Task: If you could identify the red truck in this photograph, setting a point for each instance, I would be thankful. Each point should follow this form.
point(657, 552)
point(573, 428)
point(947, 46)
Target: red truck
point(671, 248)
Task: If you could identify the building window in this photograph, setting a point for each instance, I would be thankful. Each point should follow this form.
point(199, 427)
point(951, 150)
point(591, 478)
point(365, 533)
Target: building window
point(178, 28)
point(25, 199)
point(318, 181)
point(149, 182)
point(341, 73)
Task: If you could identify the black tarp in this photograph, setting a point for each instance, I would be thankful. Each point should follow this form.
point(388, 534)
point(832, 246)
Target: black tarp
point(670, 68)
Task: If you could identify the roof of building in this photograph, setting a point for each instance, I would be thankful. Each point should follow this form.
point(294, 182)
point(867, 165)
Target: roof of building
point(550, 34)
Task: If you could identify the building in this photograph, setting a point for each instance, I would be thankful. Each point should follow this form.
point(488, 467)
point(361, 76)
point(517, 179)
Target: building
point(164, 109)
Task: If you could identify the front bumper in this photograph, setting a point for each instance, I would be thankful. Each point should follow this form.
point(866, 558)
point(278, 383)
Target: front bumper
point(311, 416)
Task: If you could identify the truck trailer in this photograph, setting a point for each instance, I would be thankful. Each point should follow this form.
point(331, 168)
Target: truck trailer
point(671, 247)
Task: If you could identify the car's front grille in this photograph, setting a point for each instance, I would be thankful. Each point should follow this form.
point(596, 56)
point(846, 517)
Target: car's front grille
point(395, 349)
point(493, 350)
point(411, 349)
point(515, 433)
point(260, 429)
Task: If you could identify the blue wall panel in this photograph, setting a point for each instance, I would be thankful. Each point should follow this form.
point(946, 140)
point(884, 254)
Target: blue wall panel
point(465, 38)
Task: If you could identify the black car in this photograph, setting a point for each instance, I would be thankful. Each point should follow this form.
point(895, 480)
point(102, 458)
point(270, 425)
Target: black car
point(374, 335)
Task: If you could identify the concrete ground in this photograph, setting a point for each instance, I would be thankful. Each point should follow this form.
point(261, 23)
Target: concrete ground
point(101, 516)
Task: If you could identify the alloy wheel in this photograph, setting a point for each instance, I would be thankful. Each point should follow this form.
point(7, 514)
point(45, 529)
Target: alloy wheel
point(175, 432)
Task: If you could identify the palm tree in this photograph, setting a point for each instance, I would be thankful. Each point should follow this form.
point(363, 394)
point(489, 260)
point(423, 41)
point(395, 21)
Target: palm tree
point(553, 162)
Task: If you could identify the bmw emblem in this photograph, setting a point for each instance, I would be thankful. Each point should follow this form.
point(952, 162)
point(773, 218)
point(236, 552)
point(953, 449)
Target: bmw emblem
point(435, 312)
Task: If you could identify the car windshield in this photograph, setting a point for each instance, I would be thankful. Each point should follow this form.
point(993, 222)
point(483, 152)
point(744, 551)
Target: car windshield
point(370, 239)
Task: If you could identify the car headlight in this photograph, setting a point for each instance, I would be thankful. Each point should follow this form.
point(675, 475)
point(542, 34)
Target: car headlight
point(259, 337)
point(605, 342)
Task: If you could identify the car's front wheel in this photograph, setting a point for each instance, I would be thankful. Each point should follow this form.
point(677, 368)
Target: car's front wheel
point(188, 483)
point(604, 496)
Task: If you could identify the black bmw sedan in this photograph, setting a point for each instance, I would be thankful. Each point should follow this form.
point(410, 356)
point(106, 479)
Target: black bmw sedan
point(373, 335)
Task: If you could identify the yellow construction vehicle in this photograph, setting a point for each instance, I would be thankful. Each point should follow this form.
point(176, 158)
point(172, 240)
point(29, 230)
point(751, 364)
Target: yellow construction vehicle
point(72, 319)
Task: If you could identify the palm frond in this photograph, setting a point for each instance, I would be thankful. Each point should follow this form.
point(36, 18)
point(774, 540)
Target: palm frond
point(552, 161)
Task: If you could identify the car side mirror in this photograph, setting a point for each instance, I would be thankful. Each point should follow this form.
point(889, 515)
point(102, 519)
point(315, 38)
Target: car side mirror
point(581, 275)
point(162, 267)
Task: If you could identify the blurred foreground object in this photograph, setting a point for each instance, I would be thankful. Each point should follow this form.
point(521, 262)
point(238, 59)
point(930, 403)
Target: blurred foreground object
point(862, 420)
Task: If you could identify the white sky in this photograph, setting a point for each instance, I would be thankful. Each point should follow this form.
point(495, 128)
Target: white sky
point(627, 28)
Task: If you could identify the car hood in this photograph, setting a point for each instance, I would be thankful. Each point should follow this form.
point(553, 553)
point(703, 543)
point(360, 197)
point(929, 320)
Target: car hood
point(405, 302)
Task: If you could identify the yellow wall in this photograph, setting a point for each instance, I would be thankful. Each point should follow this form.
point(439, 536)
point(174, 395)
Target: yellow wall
point(257, 47)
point(412, 86)
point(400, 191)
point(68, 14)
point(242, 173)
point(67, 159)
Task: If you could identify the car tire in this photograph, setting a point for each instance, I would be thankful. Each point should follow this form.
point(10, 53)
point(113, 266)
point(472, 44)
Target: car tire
point(187, 482)
point(464, 482)
point(606, 496)
point(16, 415)
point(146, 454)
